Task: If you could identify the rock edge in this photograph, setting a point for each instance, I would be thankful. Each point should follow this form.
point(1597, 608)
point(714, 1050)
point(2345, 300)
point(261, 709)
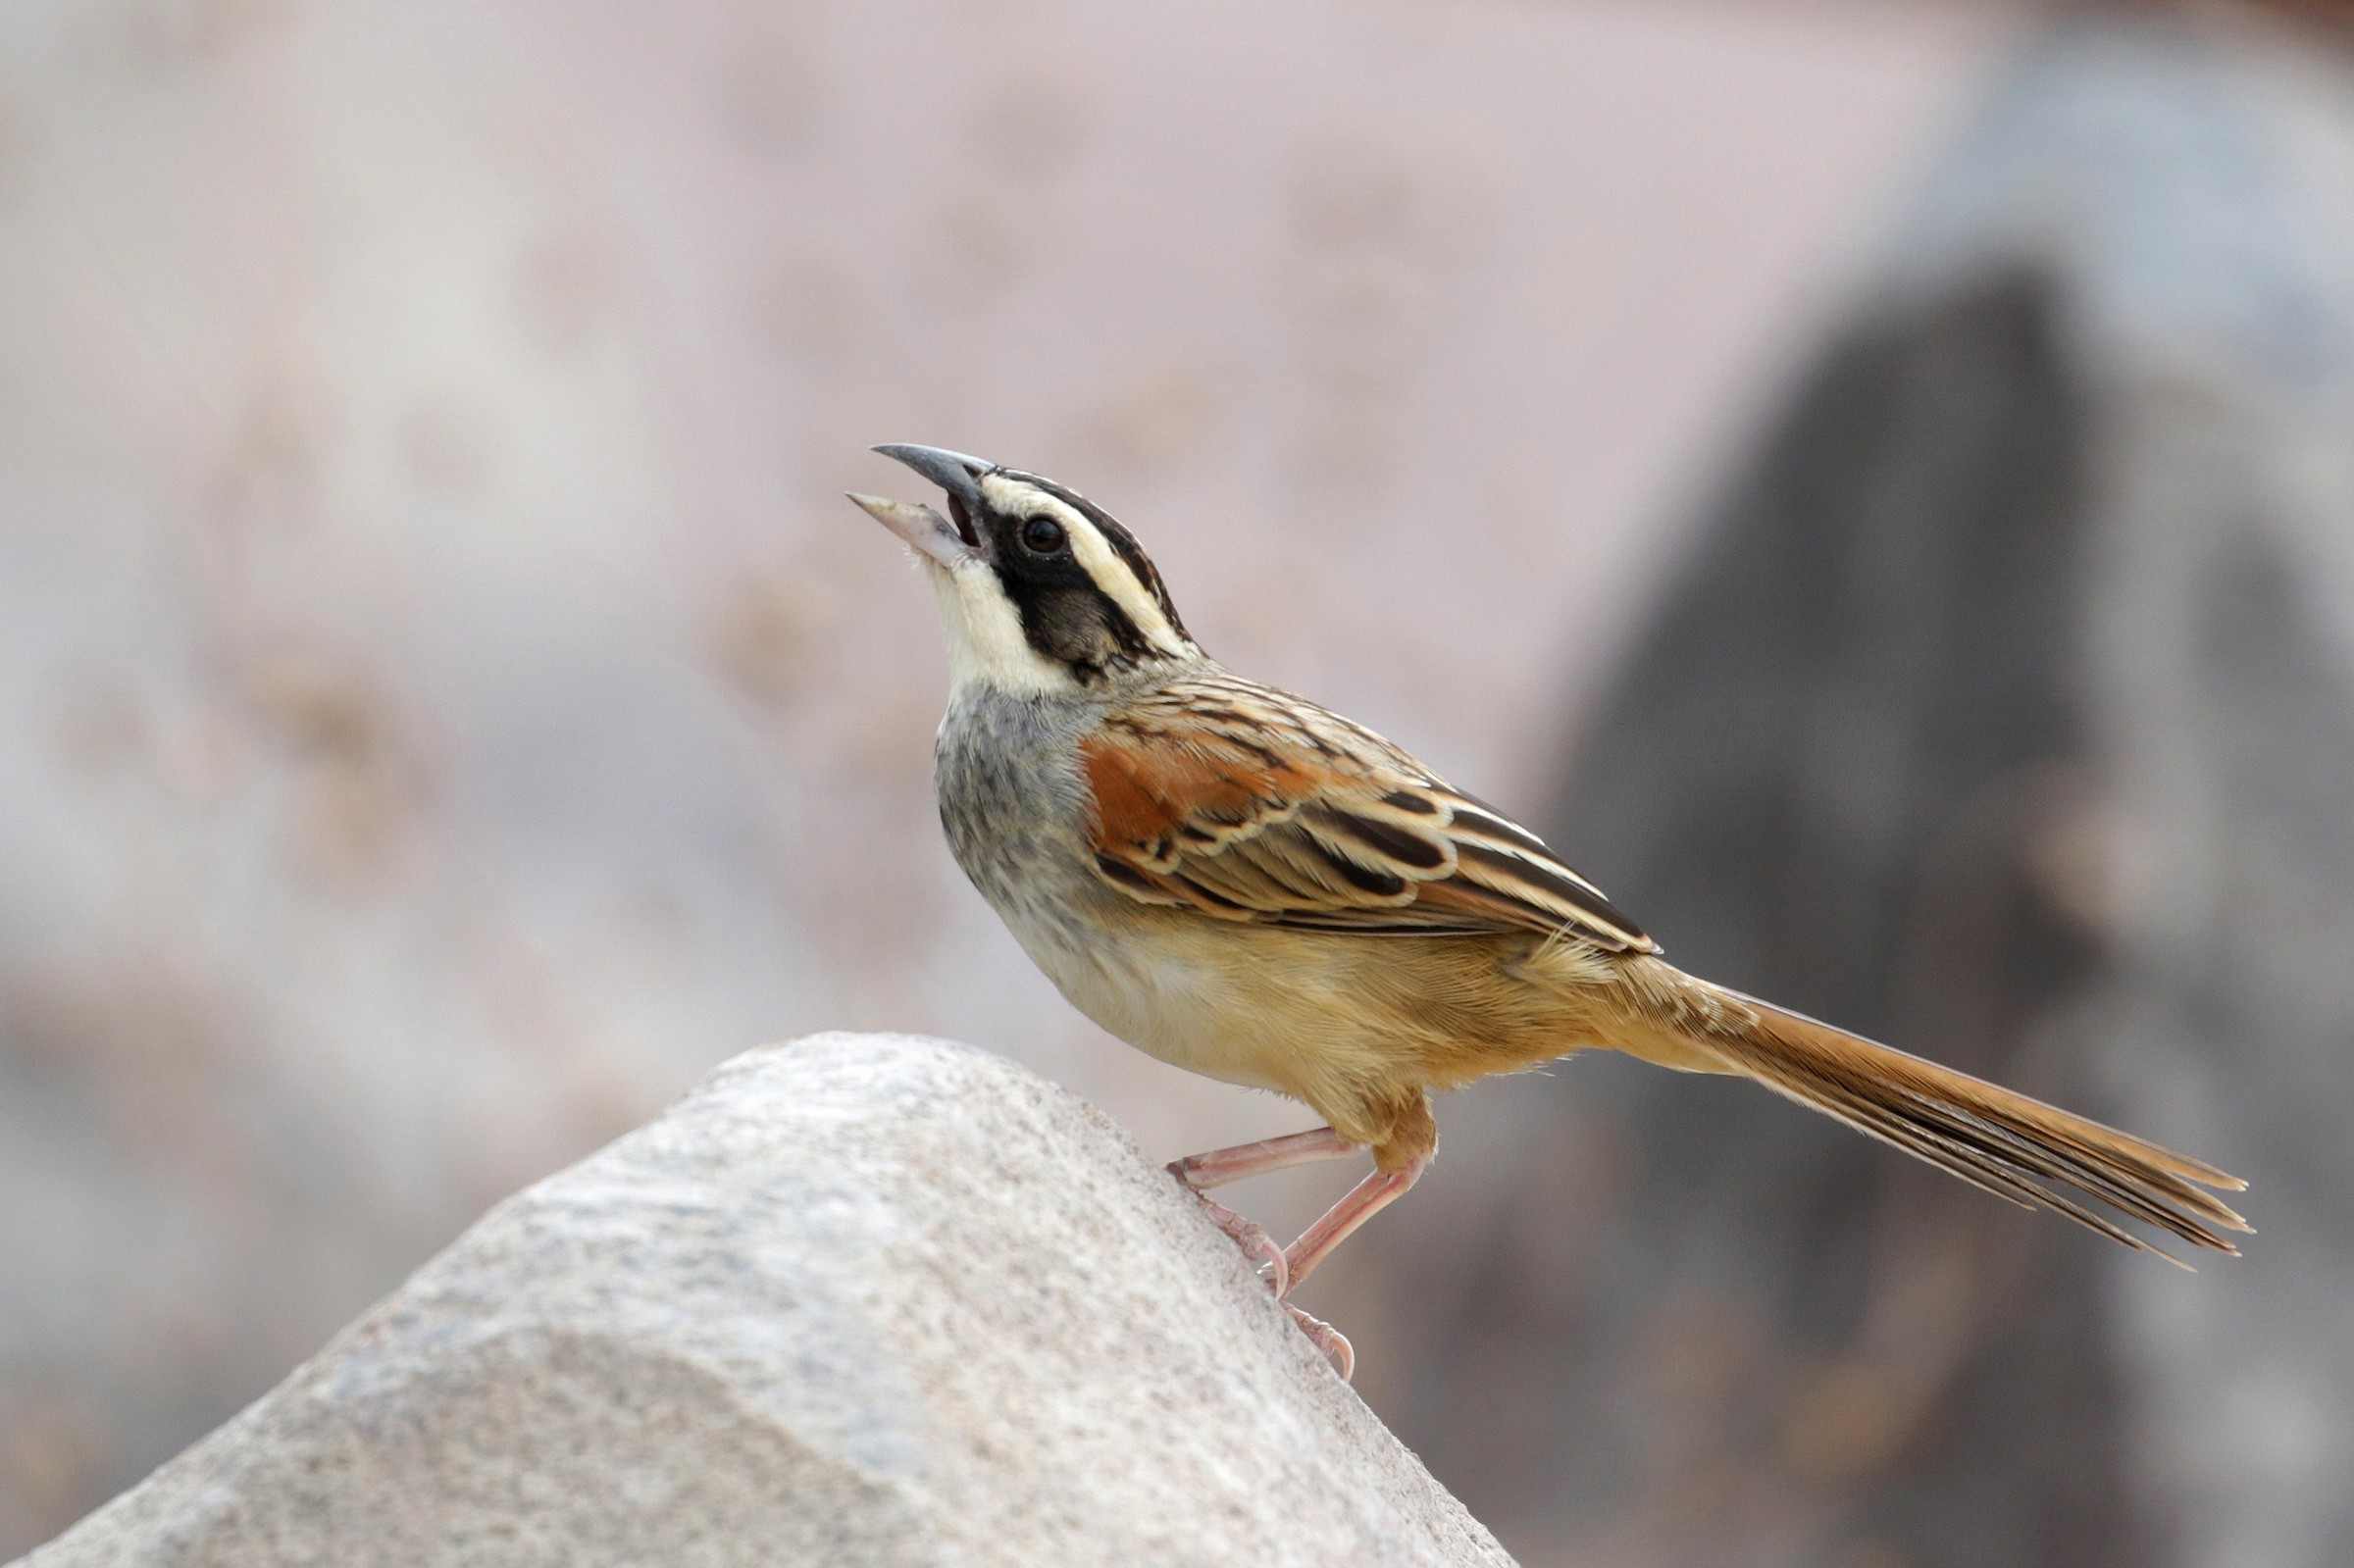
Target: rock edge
point(857, 1299)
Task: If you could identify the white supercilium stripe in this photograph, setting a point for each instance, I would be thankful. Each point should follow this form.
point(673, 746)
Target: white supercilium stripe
point(1095, 555)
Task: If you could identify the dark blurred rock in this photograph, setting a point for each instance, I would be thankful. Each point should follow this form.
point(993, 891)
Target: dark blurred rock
point(863, 1298)
point(2005, 711)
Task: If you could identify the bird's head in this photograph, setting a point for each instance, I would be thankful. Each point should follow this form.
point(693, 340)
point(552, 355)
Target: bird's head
point(1040, 590)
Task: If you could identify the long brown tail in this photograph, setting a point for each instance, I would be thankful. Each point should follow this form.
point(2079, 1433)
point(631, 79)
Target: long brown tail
point(2012, 1147)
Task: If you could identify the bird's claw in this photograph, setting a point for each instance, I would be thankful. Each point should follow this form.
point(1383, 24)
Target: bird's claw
point(1256, 1243)
point(1275, 1267)
point(1327, 1339)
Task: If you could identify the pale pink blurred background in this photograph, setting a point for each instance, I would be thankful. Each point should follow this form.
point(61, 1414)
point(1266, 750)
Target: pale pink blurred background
point(447, 705)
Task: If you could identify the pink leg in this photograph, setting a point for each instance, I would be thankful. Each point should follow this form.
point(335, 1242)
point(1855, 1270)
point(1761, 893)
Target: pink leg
point(1200, 1172)
point(1364, 1201)
point(1286, 1268)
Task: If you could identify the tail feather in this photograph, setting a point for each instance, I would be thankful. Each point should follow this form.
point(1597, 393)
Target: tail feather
point(2035, 1155)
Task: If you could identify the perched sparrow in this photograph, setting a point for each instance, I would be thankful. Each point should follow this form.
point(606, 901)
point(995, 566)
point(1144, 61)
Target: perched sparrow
point(1235, 880)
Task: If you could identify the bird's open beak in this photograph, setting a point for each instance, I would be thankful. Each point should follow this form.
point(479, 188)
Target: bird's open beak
point(951, 543)
point(932, 534)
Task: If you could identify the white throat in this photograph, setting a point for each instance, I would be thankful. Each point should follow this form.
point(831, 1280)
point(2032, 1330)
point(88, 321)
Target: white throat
point(986, 649)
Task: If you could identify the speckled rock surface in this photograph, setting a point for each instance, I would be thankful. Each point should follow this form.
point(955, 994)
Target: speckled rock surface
point(859, 1299)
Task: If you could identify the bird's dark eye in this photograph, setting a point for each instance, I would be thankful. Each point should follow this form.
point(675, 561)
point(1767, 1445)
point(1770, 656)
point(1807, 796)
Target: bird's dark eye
point(1042, 535)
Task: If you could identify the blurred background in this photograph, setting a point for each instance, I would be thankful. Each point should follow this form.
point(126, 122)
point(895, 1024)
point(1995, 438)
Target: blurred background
point(1875, 478)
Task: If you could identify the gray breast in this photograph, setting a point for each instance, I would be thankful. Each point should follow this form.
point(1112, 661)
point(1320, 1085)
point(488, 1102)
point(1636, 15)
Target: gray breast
point(1011, 801)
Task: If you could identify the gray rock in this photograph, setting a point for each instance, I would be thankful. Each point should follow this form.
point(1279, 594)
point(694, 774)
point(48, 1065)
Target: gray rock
point(860, 1299)
point(2003, 710)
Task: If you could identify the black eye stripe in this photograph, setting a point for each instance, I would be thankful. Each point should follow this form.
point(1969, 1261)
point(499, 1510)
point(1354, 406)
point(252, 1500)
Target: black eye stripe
point(1123, 543)
point(1070, 616)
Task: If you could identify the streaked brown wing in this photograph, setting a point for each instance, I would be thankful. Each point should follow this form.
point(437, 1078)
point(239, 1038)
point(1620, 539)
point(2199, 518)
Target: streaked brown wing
point(1249, 804)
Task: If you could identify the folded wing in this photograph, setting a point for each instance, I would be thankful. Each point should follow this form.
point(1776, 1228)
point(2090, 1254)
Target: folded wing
point(1249, 804)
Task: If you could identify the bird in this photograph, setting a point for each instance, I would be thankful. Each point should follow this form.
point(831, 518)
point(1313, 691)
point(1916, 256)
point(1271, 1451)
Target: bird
point(1248, 885)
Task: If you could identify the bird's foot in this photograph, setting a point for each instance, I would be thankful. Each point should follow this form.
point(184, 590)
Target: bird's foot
point(1327, 1339)
point(1257, 1244)
point(1280, 1267)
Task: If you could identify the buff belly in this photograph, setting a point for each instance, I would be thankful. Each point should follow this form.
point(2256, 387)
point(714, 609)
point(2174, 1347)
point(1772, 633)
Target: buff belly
point(1336, 1021)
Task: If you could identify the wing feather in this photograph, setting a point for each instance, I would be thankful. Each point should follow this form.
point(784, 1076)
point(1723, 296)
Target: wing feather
point(1249, 804)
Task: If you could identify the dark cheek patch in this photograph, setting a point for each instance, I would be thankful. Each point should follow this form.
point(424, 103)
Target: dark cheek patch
point(1070, 628)
point(1067, 617)
point(1070, 621)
